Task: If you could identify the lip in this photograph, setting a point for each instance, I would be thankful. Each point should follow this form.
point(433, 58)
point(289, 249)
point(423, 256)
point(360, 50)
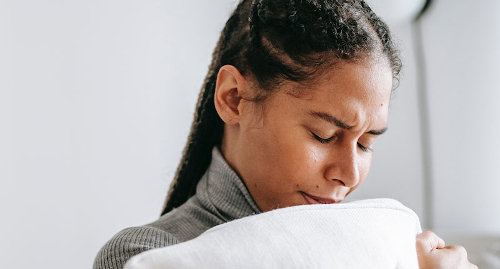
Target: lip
point(311, 199)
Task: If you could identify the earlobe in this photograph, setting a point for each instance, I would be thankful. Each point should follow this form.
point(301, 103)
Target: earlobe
point(228, 90)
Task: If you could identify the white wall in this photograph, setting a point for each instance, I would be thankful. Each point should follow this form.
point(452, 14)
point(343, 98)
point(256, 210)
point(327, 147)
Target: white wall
point(462, 45)
point(96, 100)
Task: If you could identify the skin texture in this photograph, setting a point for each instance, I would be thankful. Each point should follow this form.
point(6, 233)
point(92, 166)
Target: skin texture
point(273, 145)
point(279, 148)
point(433, 253)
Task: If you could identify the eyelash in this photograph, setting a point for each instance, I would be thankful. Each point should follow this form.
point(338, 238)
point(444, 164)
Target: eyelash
point(324, 141)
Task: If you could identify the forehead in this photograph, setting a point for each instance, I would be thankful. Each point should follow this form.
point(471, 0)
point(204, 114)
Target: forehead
point(352, 90)
point(370, 77)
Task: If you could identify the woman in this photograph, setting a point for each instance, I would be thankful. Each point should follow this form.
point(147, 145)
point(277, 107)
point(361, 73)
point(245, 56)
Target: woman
point(296, 94)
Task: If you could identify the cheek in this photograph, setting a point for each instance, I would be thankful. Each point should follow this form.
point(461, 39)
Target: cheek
point(294, 159)
point(302, 162)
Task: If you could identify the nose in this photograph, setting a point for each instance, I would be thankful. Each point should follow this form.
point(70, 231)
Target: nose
point(343, 165)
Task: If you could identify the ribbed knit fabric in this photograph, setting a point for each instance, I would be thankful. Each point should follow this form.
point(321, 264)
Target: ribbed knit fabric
point(221, 196)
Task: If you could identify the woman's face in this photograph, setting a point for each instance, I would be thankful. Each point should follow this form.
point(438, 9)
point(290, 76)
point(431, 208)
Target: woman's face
point(316, 147)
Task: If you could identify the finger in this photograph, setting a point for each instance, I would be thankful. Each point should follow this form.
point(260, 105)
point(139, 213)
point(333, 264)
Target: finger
point(429, 241)
point(440, 242)
point(460, 251)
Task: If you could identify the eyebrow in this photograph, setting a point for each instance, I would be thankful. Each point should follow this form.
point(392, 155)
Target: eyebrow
point(331, 119)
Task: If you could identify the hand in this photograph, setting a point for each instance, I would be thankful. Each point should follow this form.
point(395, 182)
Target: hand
point(434, 254)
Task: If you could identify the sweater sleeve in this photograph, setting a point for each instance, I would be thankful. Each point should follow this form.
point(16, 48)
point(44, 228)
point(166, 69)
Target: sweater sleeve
point(129, 242)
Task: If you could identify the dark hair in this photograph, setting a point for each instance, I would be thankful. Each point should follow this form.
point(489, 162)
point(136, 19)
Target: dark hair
point(274, 41)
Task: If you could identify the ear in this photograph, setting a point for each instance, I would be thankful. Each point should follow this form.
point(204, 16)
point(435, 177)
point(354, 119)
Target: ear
point(229, 90)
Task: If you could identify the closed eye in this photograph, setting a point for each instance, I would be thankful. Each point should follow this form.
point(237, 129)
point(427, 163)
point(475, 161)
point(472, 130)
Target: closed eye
point(327, 140)
point(365, 149)
point(322, 140)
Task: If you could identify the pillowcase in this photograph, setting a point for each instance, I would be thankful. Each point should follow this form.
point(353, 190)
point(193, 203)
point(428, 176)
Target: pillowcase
point(374, 233)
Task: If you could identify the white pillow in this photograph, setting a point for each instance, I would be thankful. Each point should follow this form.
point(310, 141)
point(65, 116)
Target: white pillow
point(375, 233)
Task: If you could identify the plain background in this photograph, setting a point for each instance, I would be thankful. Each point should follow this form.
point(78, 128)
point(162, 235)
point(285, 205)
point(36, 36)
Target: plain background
point(97, 97)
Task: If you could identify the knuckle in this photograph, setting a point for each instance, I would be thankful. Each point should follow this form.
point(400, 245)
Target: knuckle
point(421, 240)
point(425, 235)
point(428, 233)
point(460, 250)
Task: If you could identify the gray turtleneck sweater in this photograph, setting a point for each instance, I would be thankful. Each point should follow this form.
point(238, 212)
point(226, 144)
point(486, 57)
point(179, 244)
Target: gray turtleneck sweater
point(221, 196)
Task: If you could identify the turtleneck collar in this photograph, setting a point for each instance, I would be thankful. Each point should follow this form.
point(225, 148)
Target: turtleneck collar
point(223, 192)
point(221, 196)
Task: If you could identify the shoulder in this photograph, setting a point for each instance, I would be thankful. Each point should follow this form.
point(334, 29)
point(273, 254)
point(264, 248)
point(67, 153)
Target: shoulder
point(129, 242)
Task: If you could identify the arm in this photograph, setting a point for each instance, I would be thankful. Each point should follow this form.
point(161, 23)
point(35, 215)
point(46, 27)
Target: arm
point(130, 242)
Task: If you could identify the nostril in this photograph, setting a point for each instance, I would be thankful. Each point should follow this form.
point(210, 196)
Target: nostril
point(341, 182)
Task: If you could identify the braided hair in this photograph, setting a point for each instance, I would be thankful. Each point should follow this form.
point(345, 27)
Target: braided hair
point(275, 41)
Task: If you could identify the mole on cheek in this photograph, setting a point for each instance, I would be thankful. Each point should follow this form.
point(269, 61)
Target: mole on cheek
point(317, 186)
point(297, 185)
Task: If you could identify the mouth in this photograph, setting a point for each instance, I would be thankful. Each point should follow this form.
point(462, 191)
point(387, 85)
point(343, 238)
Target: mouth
point(310, 199)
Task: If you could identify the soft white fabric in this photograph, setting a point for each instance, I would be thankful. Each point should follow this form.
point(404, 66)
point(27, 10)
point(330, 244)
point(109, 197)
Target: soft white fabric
point(375, 233)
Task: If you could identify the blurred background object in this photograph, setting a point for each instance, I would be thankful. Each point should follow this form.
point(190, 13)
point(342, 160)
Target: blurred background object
point(457, 50)
point(97, 97)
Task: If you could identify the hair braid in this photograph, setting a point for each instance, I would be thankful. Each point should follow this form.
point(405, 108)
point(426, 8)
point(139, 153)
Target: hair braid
point(253, 22)
point(206, 130)
point(276, 40)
